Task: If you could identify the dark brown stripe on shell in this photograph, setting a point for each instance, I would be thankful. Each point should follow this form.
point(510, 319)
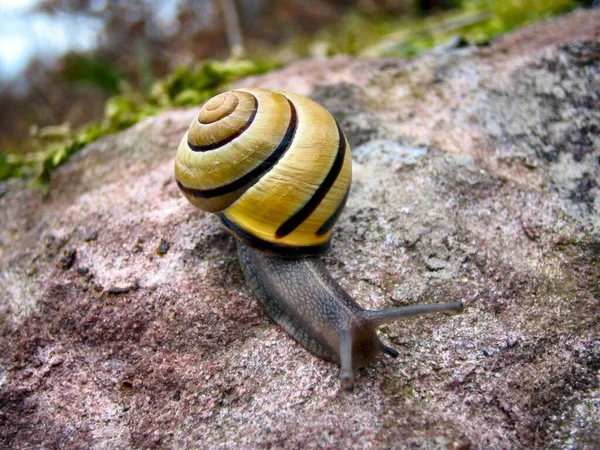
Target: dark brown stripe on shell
point(228, 139)
point(329, 223)
point(269, 247)
point(254, 175)
point(303, 213)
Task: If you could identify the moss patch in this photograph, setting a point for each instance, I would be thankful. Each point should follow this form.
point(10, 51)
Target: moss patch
point(475, 22)
point(185, 87)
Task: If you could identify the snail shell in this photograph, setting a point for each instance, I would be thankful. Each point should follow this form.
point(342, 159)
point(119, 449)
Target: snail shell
point(275, 166)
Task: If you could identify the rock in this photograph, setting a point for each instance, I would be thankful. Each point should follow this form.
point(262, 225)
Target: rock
point(476, 178)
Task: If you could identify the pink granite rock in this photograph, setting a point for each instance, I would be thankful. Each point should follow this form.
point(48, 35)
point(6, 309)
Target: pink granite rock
point(125, 321)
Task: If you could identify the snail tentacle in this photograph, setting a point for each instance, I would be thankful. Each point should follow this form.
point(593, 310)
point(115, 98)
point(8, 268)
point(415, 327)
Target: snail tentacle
point(389, 351)
point(346, 369)
point(377, 318)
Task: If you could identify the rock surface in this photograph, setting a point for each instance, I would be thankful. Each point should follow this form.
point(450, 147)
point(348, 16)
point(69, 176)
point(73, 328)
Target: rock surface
point(125, 321)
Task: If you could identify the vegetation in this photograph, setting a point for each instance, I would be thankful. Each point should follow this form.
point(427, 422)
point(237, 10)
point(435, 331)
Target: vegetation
point(185, 87)
point(475, 22)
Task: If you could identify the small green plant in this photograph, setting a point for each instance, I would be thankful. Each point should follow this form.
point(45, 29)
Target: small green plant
point(473, 22)
point(185, 87)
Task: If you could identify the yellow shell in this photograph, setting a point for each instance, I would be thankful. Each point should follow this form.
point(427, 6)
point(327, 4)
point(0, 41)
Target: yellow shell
point(274, 165)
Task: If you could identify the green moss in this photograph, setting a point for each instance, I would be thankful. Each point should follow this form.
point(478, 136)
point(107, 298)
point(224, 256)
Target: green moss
point(398, 389)
point(12, 165)
point(475, 22)
point(92, 70)
point(185, 87)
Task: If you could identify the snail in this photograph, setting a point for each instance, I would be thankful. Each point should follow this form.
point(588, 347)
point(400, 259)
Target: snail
point(276, 169)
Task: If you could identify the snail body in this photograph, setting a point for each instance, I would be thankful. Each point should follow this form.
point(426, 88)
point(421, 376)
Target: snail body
point(276, 168)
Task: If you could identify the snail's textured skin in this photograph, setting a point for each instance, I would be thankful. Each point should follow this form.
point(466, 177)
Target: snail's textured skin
point(300, 295)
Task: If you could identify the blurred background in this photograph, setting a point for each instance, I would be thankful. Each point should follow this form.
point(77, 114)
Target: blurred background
point(69, 63)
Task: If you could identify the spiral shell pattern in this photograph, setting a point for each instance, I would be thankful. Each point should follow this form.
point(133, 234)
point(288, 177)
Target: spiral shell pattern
point(275, 166)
